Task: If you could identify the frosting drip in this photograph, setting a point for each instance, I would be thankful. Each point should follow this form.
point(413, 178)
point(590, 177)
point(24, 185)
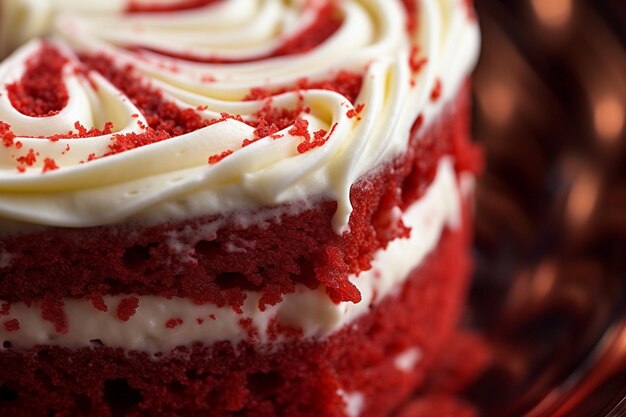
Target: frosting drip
point(100, 159)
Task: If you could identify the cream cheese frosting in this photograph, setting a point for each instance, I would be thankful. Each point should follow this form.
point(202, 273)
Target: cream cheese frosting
point(309, 310)
point(172, 179)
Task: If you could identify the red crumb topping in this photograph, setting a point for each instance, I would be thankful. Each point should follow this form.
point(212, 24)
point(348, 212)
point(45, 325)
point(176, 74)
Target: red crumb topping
point(265, 128)
point(301, 128)
point(165, 119)
point(411, 15)
point(53, 310)
point(29, 159)
point(6, 135)
point(272, 119)
point(142, 7)
point(163, 116)
point(49, 165)
point(173, 323)
point(127, 308)
point(355, 111)
point(212, 316)
point(346, 83)
point(41, 91)
point(12, 325)
point(437, 89)
point(213, 159)
point(416, 62)
point(82, 132)
point(5, 309)
point(98, 302)
point(126, 142)
point(319, 138)
point(199, 320)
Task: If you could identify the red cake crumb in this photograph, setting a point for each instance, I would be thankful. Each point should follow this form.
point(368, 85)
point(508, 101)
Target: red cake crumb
point(346, 83)
point(214, 159)
point(437, 89)
point(199, 320)
point(355, 111)
point(128, 141)
point(97, 301)
point(173, 323)
point(127, 308)
point(416, 62)
point(6, 134)
point(142, 7)
point(264, 128)
point(29, 159)
point(12, 325)
point(301, 128)
point(41, 91)
point(82, 132)
point(53, 310)
point(320, 137)
point(49, 164)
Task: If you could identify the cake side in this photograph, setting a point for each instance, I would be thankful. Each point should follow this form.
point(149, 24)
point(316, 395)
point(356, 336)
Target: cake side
point(364, 369)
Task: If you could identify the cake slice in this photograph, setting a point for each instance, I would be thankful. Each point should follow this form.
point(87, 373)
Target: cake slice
point(232, 208)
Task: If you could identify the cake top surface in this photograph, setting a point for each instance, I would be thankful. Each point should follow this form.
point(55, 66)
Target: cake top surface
point(143, 110)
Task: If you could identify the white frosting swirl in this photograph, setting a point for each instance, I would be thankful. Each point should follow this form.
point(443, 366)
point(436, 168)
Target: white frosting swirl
point(171, 178)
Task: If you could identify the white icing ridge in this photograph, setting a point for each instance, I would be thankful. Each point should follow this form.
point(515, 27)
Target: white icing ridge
point(172, 179)
point(310, 310)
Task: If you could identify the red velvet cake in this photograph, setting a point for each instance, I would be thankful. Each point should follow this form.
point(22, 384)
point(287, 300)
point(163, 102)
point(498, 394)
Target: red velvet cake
point(231, 207)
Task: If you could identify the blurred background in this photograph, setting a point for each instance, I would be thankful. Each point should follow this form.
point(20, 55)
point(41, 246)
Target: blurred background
point(550, 113)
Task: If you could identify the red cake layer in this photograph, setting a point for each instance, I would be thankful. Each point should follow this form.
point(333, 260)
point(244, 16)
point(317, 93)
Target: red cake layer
point(299, 378)
point(61, 262)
